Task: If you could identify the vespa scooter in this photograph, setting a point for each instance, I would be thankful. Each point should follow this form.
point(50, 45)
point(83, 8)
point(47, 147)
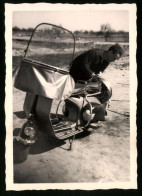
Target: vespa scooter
point(54, 103)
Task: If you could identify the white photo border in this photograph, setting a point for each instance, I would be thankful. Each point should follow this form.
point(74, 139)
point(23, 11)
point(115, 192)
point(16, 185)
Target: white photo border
point(10, 185)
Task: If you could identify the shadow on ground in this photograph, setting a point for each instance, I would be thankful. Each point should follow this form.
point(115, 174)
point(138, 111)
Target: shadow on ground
point(43, 144)
point(20, 114)
point(20, 152)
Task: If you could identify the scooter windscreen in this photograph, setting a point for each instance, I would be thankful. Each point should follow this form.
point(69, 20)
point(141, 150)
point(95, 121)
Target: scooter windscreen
point(51, 45)
point(44, 70)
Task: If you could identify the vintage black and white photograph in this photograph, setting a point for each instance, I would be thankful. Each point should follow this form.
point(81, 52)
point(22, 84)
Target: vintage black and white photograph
point(70, 96)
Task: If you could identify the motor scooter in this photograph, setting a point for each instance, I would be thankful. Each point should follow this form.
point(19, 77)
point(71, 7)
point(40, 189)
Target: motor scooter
point(54, 103)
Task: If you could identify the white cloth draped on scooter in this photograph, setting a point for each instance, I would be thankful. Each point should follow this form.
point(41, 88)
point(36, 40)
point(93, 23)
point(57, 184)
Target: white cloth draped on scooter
point(33, 78)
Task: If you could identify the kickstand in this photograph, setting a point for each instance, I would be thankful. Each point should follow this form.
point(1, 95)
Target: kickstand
point(71, 142)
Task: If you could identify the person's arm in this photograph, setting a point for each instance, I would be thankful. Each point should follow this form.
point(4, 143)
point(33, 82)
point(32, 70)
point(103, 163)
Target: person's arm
point(86, 68)
point(88, 60)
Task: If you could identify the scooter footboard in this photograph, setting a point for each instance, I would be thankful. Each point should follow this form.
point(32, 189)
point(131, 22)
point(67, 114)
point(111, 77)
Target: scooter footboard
point(60, 128)
point(43, 111)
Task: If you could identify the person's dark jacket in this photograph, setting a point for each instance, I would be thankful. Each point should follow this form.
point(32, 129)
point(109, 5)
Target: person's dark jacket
point(87, 63)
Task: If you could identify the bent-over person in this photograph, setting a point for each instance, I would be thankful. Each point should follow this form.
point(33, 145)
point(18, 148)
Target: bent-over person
point(93, 62)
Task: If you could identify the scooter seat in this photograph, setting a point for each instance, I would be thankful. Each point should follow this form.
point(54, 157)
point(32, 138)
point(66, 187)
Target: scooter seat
point(90, 87)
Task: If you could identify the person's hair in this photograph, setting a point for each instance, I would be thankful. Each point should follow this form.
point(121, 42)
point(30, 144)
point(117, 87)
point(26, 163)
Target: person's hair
point(116, 49)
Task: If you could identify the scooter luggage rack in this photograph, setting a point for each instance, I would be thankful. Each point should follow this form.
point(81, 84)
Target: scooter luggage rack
point(66, 129)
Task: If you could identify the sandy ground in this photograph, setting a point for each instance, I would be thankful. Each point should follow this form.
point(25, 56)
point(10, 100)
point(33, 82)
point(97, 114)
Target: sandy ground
point(102, 156)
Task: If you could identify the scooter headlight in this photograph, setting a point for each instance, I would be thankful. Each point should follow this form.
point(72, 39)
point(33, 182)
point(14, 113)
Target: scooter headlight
point(29, 131)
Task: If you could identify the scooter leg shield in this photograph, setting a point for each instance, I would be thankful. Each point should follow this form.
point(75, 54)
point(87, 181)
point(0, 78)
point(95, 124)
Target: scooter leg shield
point(43, 110)
point(30, 102)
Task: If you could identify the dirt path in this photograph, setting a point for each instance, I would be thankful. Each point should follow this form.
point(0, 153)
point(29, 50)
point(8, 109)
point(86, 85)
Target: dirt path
point(102, 156)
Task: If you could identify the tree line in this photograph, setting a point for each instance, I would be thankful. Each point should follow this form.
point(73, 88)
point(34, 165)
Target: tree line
point(105, 30)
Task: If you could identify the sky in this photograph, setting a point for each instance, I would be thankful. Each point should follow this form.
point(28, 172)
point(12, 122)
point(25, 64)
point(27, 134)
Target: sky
point(74, 20)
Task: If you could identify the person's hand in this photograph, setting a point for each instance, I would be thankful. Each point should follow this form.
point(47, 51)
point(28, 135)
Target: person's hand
point(93, 74)
point(94, 77)
point(100, 73)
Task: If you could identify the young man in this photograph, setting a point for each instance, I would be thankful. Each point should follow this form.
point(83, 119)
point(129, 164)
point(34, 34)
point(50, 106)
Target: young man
point(93, 62)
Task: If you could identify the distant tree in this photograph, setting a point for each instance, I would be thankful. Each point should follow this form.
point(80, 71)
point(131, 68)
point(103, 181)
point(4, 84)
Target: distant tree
point(76, 33)
point(121, 32)
point(92, 32)
point(99, 33)
point(106, 30)
point(30, 30)
point(15, 29)
point(23, 29)
point(86, 32)
point(57, 31)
